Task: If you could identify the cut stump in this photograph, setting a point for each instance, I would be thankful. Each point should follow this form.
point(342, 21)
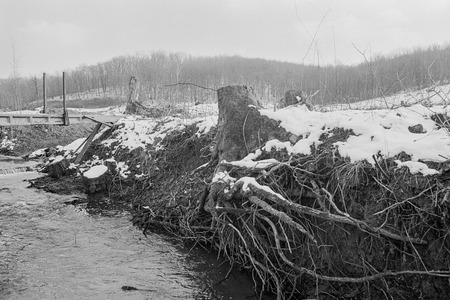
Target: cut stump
point(59, 168)
point(97, 179)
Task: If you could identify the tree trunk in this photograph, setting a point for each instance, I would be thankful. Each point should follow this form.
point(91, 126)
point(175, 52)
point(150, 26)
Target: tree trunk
point(133, 106)
point(59, 168)
point(240, 130)
point(237, 116)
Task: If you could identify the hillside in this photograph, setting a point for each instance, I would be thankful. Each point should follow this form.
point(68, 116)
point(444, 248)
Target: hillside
point(157, 73)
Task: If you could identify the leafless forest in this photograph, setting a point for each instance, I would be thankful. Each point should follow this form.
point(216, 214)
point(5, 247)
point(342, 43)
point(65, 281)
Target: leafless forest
point(159, 73)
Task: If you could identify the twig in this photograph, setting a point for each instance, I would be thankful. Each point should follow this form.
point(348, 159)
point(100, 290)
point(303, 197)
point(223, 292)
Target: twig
point(402, 202)
point(193, 84)
point(379, 167)
point(376, 276)
point(243, 132)
point(373, 75)
point(313, 40)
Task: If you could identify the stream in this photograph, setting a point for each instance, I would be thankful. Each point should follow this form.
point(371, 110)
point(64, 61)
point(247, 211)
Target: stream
point(52, 250)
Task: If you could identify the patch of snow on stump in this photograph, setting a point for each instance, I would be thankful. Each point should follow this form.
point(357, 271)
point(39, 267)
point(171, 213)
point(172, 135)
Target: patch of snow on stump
point(95, 171)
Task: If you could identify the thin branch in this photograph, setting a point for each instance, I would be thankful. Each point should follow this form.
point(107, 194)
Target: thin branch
point(243, 132)
point(193, 84)
point(314, 37)
point(383, 96)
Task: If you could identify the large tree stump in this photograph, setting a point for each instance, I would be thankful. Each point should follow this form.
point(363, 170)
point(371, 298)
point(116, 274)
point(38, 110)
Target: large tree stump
point(240, 130)
point(236, 123)
point(133, 106)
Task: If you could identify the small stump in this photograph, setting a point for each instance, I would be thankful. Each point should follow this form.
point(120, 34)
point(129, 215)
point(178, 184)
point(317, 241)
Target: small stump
point(97, 179)
point(59, 168)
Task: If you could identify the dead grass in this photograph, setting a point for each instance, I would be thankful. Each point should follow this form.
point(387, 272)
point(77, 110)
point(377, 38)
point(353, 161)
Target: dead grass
point(31, 138)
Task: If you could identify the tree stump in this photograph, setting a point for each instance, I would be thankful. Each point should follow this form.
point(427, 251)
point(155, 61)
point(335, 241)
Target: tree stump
point(133, 106)
point(293, 97)
point(236, 123)
point(97, 179)
point(240, 130)
point(59, 168)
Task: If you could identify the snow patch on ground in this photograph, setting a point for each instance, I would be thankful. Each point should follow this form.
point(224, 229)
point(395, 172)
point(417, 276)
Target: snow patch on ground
point(377, 131)
point(111, 110)
point(436, 95)
point(416, 167)
point(223, 177)
point(382, 131)
point(250, 164)
point(122, 168)
point(138, 132)
point(7, 144)
point(73, 146)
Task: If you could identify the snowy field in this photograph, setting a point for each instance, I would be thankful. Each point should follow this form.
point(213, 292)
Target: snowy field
point(438, 95)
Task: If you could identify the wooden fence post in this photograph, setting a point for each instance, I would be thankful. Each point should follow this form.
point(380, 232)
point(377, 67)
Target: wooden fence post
point(65, 113)
point(44, 92)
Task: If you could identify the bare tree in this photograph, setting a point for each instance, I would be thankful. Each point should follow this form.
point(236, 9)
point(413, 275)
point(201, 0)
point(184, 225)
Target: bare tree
point(14, 77)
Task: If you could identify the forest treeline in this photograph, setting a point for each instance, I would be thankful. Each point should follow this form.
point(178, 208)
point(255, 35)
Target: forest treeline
point(158, 74)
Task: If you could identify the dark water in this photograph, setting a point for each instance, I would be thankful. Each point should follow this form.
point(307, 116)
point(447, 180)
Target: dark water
point(51, 250)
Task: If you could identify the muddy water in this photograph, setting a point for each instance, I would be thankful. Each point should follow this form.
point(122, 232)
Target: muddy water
point(51, 250)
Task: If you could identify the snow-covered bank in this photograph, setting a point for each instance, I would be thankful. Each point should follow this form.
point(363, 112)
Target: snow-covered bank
point(385, 132)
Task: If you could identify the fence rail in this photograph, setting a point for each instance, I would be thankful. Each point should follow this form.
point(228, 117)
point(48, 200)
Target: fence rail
point(47, 119)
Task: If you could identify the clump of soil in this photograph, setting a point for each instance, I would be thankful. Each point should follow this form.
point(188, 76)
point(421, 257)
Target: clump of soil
point(67, 185)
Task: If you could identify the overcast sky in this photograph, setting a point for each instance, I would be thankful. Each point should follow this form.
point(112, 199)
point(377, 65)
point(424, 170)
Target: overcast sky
point(53, 35)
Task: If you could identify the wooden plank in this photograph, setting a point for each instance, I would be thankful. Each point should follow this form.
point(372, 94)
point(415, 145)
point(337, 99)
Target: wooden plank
point(87, 143)
point(97, 121)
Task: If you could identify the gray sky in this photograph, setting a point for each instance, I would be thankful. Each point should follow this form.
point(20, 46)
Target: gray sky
point(53, 35)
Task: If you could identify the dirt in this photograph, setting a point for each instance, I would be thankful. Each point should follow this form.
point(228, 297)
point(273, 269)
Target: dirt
point(64, 186)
